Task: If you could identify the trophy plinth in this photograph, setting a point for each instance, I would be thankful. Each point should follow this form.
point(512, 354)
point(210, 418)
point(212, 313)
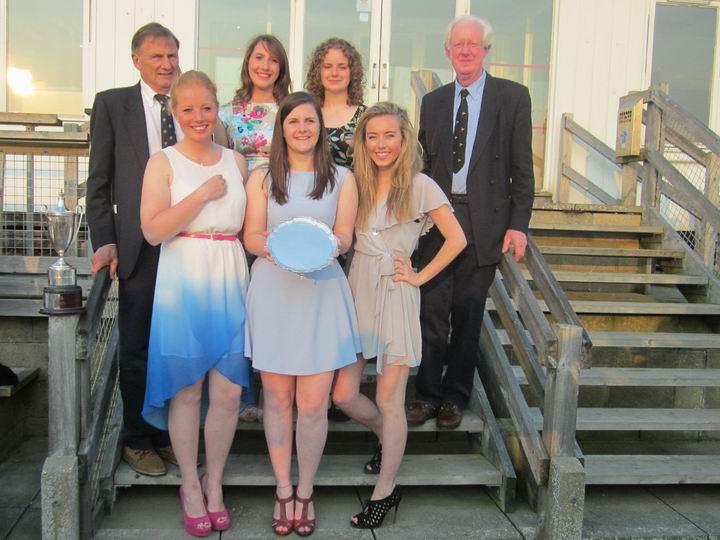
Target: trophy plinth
point(62, 296)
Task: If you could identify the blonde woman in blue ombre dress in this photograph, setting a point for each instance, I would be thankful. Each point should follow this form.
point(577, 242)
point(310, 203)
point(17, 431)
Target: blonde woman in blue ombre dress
point(193, 202)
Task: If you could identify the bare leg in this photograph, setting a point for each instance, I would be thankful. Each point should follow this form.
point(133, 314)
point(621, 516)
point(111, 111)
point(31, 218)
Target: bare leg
point(311, 431)
point(390, 397)
point(220, 426)
point(279, 394)
point(184, 428)
point(357, 406)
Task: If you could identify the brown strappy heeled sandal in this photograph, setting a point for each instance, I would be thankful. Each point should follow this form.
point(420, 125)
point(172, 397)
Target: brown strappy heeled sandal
point(282, 526)
point(303, 525)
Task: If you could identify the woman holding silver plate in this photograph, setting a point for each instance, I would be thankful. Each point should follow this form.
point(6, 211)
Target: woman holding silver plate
point(397, 204)
point(301, 327)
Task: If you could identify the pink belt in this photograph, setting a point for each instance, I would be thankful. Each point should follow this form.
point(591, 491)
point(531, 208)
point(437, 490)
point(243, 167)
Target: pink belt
point(209, 236)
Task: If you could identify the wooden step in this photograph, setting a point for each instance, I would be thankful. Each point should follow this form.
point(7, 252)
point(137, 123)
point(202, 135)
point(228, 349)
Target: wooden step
point(622, 419)
point(471, 422)
point(636, 230)
point(340, 470)
point(630, 278)
point(25, 376)
point(633, 308)
point(673, 377)
point(644, 340)
point(651, 469)
point(612, 252)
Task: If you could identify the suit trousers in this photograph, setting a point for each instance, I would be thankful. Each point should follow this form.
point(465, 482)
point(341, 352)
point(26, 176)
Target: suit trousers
point(135, 313)
point(452, 306)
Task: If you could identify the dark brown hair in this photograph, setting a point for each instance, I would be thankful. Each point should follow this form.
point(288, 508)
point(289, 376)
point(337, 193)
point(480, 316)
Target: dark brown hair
point(281, 88)
point(356, 88)
point(279, 164)
point(151, 30)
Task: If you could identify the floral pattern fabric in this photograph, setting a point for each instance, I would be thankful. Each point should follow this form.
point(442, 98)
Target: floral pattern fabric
point(340, 139)
point(249, 128)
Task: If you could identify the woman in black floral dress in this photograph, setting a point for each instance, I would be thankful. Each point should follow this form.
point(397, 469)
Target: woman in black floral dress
point(336, 77)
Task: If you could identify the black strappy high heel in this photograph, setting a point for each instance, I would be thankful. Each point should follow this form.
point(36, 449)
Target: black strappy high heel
point(374, 512)
point(373, 466)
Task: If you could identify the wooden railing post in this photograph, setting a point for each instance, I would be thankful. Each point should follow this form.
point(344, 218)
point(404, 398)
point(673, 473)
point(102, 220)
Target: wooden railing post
point(565, 159)
point(653, 141)
point(564, 500)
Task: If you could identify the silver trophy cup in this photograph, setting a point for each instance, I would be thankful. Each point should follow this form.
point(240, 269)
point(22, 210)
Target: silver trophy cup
point(62, 295)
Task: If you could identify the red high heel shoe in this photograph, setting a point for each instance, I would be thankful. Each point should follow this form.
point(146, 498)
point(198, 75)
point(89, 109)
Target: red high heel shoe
point(199, 526)
point(220, 521)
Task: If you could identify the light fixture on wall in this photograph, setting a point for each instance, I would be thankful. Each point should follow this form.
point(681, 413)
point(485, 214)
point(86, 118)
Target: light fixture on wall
point(20, 81)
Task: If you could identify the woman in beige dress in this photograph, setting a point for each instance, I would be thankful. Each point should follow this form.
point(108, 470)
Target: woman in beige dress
point(397, 204)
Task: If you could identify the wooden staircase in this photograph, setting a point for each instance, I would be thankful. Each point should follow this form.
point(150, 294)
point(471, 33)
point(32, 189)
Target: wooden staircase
point(649, 407)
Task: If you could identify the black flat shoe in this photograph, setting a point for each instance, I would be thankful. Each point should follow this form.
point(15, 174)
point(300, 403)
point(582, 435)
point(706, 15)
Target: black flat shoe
point(374, 512)
point(373, 466)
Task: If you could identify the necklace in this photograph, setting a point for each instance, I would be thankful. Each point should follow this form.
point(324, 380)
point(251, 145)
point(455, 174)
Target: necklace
point(199, 160)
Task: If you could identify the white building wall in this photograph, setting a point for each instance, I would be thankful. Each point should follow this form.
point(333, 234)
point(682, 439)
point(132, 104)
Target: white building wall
point(109, 27)
point(600, 53)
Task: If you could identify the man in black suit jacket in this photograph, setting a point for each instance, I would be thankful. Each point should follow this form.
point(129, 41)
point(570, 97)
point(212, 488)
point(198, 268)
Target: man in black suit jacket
point(124, 132)
point(484, 165)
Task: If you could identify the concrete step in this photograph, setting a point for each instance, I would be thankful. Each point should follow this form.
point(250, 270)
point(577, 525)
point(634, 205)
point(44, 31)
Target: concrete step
point(471, 422)
point(340, 470)
point(673, 377)
point(652, 469)
point(622, 419)
point(625, 278)
point(584, 251)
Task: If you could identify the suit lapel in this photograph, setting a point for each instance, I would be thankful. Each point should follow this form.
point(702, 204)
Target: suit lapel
point(444, 119)
point(486, 123)
point(134, 121)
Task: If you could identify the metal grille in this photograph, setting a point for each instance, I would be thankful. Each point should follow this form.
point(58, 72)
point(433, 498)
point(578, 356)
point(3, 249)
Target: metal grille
point(104, 333)
point(28, 182)
point(694, 161)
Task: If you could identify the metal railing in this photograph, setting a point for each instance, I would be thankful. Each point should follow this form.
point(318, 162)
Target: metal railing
point(39, 156)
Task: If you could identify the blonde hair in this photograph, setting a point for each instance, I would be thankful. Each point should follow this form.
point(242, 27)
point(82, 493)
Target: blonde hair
point(406, 166)
point(190, 78)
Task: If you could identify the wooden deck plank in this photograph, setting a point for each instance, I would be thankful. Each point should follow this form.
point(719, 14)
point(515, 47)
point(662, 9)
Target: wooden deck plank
point(622, 419)
point(651, 469)
point(645, 340)
point(672, 377)
point(564, 276)
point(470, 423)
point(635, 230)
point(341, 470)
point(633, 308)
point(612, 252)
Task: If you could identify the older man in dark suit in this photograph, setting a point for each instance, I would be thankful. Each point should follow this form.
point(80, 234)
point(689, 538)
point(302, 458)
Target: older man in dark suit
point(127, 126)
point(476, 136)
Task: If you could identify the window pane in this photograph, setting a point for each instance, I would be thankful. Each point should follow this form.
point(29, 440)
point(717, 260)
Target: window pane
point(329, 18)
point(44, 76)
point(226, 26)
point(683, 55)
point(521, 52)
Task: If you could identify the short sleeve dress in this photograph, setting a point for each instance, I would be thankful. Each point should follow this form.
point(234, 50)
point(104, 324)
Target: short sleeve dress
point(198, 318)
point(301, 324)
point(249, 128)
point(341, 137)
point(388, 312)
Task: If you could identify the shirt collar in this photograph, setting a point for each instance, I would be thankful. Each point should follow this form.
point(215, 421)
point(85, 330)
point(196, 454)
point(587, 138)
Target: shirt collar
point(474, 89)
point(148, 94)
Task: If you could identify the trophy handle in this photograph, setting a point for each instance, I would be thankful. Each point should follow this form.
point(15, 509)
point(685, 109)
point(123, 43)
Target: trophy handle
point(80, 211)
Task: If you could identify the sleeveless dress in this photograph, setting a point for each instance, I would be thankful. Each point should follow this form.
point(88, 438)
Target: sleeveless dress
point(339, 139)
point(249, 128)
point(389, 312)
point(301, 324)
point(198, 319)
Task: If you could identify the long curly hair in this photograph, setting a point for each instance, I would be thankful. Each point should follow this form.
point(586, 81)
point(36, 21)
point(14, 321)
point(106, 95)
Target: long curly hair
point(356, 88)
point(406, 166)
point(279, 167)
point(281, 88)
